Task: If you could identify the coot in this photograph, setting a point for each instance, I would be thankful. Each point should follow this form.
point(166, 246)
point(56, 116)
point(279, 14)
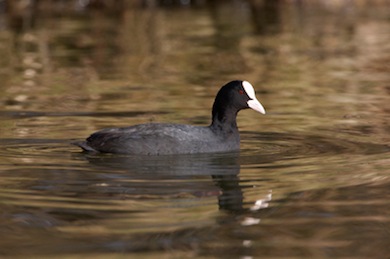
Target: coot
point(166, 138)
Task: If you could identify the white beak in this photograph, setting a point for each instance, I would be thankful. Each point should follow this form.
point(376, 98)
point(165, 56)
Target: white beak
point(253, 103)
point(256, 105)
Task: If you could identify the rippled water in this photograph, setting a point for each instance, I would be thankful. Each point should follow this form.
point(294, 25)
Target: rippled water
point(312, 179)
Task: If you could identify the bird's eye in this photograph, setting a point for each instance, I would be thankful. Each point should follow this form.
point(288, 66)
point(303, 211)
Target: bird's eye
point(241, 92)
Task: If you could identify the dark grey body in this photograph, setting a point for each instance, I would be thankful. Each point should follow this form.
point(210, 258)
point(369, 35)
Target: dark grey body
point(161, 139)
point(164, 138)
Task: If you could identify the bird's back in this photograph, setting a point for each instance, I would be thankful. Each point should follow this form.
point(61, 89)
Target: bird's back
point(159, 139)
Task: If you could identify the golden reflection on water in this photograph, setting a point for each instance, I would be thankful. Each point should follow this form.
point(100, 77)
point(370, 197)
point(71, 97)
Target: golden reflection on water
point(321, 69)
point(149, 58)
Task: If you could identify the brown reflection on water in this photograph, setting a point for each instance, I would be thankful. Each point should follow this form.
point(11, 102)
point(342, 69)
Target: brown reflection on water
point(321, 69)
point(310, 54)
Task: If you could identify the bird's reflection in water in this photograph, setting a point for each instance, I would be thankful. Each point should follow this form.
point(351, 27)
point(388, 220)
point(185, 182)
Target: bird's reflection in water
point(166, 178)
point(190, 171)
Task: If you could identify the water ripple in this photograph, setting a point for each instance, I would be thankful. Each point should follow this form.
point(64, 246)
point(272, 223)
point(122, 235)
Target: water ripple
point(290, 145)
point(273, 144)
point(33, 147)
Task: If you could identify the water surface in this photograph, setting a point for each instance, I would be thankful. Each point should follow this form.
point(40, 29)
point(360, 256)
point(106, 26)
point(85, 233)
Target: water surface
point(312, 177)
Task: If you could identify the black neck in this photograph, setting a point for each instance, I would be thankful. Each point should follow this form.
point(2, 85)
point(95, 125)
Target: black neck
point(224, 119)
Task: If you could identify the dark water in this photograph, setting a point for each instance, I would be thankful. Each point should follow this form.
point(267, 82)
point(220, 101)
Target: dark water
point(312, 179)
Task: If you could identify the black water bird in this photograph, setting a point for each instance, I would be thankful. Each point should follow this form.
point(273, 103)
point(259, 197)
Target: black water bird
point(167, 138)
